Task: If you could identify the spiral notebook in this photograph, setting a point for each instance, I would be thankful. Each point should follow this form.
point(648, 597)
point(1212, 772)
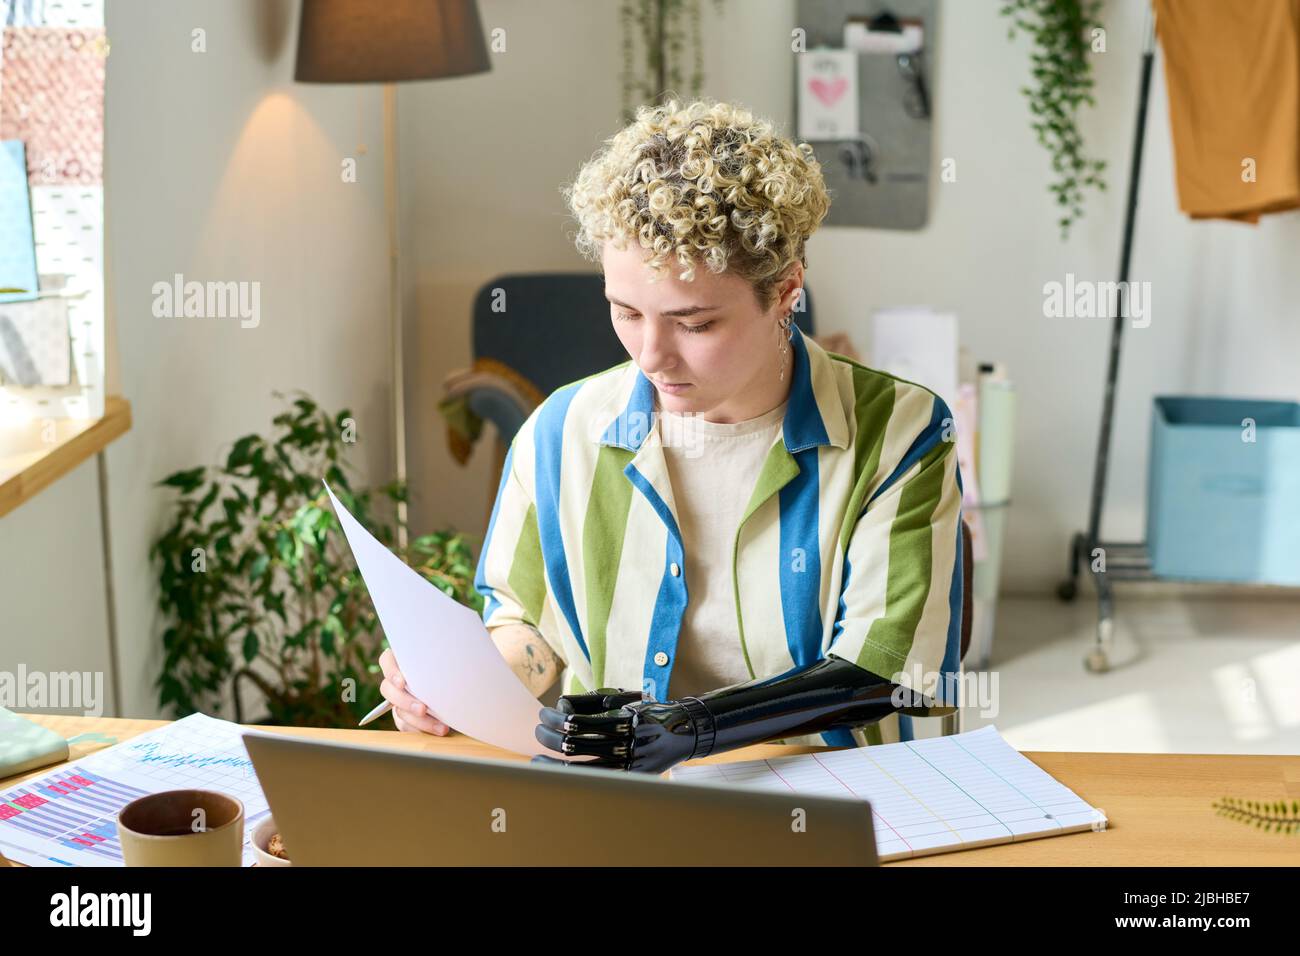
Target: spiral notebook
point(927, 796)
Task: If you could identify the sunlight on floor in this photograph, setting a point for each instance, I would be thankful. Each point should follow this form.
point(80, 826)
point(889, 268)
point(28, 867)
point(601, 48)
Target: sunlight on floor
point(1278, 673)
point(1109, 726)
point(1191, 676)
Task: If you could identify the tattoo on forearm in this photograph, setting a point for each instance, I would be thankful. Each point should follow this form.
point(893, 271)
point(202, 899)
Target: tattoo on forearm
point(537, 663)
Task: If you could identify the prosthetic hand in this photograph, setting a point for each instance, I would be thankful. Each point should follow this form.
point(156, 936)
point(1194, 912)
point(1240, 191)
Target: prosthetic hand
point(624, 732)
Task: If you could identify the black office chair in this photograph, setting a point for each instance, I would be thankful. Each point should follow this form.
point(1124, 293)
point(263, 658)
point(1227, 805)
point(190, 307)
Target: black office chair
point(550, 329)
point(533, 333)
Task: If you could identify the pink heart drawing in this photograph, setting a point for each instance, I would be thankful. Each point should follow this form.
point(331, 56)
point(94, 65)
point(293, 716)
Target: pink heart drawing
point(828, 92)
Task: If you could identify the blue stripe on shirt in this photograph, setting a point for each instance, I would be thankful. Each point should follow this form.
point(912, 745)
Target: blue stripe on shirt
point(550, 449)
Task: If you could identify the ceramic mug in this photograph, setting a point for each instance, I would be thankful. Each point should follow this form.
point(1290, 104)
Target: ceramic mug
point(182, 828)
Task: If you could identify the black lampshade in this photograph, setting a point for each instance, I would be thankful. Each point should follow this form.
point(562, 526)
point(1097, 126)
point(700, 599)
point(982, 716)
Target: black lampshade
point(389, 41)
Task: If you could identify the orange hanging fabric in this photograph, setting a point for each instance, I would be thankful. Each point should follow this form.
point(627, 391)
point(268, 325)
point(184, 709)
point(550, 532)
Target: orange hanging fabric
point(1232, 71)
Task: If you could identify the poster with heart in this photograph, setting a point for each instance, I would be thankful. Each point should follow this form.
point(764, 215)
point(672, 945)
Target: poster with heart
point(828, 94)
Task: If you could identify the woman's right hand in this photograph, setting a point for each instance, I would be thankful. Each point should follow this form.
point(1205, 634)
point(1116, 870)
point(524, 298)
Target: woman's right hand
point(410, 715)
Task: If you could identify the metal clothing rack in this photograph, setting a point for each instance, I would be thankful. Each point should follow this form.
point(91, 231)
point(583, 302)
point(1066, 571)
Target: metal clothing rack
point(1124, 561)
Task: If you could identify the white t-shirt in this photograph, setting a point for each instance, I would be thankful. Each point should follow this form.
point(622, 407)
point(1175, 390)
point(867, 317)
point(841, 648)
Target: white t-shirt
point(713, 469)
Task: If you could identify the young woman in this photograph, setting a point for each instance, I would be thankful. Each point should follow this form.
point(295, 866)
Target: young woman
point(735, 536)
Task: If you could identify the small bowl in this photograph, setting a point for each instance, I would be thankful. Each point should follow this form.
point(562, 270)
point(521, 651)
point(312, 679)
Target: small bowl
point(262, 834)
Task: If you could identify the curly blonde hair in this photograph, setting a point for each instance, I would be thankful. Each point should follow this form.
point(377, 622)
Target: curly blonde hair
point(704, 182)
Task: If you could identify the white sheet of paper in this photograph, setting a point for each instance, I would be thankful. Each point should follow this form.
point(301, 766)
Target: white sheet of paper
point(444, 651)
point(919, 345)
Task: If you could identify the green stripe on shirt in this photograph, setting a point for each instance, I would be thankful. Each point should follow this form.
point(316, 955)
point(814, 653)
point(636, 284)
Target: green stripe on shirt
point(603, 533)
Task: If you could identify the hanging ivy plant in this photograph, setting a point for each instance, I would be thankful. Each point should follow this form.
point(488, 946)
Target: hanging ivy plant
point(663, 29)
point(1064, 33)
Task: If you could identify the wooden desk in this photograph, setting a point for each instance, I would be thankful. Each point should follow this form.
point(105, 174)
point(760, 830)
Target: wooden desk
point(1158, 805)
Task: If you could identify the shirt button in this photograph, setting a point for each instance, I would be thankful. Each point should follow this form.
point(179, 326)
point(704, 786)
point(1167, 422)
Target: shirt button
point(674, 569)
point(661, 658)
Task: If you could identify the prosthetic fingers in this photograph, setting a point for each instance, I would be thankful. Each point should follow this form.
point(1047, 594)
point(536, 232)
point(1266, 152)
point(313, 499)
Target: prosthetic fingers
point(624, 732)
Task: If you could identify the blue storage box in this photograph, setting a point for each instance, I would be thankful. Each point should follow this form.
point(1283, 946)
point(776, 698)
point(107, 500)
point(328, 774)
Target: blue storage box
point(1221, 507)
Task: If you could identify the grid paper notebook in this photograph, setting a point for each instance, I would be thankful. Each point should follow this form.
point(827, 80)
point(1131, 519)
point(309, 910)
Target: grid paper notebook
point(927, 796)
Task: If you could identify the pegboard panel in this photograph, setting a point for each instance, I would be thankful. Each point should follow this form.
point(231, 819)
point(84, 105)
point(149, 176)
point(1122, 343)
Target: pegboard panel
point(879, 172)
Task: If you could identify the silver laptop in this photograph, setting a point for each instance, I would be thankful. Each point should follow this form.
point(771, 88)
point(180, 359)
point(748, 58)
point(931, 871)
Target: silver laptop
point(347, 805)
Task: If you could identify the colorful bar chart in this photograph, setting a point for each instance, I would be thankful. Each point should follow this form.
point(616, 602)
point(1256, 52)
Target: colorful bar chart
point(69, 816)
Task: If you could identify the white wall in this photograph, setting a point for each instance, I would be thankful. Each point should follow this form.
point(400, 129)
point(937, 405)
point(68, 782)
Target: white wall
point(52, 595)
point(220, 167)
point(484, 158)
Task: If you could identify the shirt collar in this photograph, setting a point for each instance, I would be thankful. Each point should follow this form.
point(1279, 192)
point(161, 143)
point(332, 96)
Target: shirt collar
point(815, 416)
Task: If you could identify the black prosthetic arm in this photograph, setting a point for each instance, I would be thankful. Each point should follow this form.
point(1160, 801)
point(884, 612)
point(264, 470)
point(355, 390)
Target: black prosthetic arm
point(825, 695)
point(624, 732)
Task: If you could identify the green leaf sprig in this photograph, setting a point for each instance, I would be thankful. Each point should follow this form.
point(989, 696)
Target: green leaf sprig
point(1272, 816)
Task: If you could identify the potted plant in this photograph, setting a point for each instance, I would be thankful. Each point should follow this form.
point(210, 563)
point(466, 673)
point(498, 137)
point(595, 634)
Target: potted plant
point(258, 586)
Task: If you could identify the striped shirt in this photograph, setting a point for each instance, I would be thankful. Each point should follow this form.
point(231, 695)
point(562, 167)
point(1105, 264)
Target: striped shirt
point(849, 545)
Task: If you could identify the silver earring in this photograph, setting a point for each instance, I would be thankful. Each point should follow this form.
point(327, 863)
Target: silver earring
point(786, 327)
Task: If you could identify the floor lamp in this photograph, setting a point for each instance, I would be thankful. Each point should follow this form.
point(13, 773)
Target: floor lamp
point(360, 41)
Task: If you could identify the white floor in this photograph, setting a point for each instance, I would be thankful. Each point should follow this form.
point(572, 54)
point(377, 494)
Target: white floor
point(1200, 675)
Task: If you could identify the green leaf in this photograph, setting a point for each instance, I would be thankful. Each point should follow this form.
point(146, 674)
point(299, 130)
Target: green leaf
point(240, 453)
point(274, 601)
point(186, 481)
point(207, 500)
point(299, 637)
point(251, 645)
point(284, 546)
point(233, 508)
point(260, 564)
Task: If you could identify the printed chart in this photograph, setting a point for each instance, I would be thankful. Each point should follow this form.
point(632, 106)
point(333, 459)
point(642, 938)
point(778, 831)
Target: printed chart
point(69, 816)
